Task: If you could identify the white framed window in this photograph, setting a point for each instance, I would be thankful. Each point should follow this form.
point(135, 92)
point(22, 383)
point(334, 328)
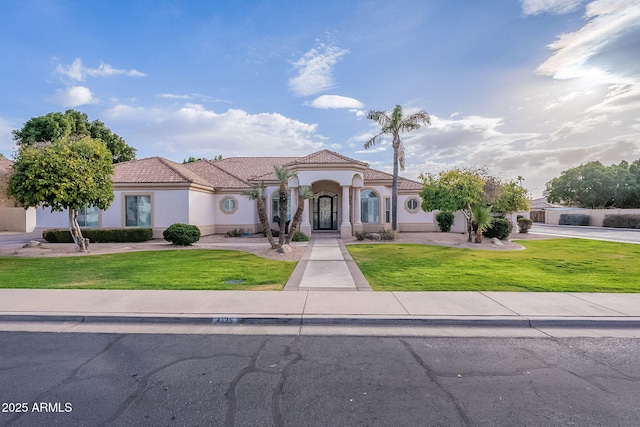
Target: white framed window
point(137, 211)
point(88, 216)
point(228, 205)
point(387, 209)
point(412, 205)
point(369, 207)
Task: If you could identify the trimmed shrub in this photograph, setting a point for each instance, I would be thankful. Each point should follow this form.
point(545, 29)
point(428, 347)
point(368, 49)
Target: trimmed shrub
point(388, 234)
point(621, 221)
point(360, 235)
point(100, 235)
point(299, 236)
point(445, 221)
point(235, 232)
point(524, 224)
point(574, 219)
point(182, 234)
point(501, 228)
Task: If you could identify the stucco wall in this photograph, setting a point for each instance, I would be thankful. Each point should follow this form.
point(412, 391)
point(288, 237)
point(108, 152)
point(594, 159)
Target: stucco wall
point(245, 216)
point(17, 219)
point(202, 211)
point(552, 216)
point(47, 219)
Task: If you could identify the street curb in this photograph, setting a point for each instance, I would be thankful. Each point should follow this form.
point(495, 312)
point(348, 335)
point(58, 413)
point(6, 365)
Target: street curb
point(461, 321)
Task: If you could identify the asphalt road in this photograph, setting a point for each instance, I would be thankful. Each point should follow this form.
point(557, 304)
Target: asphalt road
point(596, 233)
point(189, 380)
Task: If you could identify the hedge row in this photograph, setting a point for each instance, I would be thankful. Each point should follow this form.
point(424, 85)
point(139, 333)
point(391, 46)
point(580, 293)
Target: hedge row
point(574, 219)
point(621, 221)
point(100, 235)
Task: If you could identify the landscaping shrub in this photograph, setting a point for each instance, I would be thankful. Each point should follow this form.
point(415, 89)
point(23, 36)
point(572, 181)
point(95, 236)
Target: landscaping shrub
point(100, 235)
point(574, 219)
point(501, 229)
point(524, 224)
point(445, 221)
point(360, 235)
point(235, 232)
point(299, 236)
point(621, 221)
point(182, 234)
point(388, 234)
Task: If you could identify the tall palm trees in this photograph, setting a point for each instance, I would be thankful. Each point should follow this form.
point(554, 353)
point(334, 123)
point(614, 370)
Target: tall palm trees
point(284, 175)
point(255, 193)
point(393, 125)
point(304, 192)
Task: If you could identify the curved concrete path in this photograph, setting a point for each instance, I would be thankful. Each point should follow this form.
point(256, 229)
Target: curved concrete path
point(326, 265)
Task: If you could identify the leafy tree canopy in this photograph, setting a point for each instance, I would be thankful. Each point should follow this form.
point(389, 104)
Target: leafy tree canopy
point(54, 126)
point(65, 174)
point(593, 185)
point(192, 159)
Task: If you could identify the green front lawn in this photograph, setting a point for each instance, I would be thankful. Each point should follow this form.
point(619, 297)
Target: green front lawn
point(558, 265)
point(168, 269)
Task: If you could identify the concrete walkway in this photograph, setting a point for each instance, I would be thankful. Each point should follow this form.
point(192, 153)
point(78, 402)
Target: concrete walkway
point(513, 309)
point(326, 265)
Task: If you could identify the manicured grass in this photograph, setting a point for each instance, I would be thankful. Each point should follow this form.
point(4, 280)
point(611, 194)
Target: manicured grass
point(558, 265)
point(168, 269)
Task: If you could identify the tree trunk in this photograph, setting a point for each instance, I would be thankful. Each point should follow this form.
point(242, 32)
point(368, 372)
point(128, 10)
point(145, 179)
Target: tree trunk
point(264, 220)
point(283, 196)
point(76, 234)
point(295, 222)
point(479, 236)
point(469, 219)
point(394, 191)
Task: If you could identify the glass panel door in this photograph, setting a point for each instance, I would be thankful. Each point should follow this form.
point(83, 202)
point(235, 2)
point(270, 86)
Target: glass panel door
point(325, 213)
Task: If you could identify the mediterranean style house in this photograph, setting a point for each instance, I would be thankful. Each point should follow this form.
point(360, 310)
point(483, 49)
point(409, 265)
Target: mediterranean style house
point(156, 192)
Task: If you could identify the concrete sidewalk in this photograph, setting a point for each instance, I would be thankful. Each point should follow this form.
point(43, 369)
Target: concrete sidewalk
point(514, 309)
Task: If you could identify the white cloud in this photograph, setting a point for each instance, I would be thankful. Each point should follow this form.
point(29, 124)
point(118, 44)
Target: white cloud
point(557, 7)
point(78, 72)
point(72, 96)
point(192, 96)
point(195, 129)
point(315, 70)
point(583, 125)
point(610, 19)
point(336, 101)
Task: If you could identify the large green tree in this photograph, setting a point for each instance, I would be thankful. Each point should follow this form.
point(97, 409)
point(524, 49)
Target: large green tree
point(66, 174)
point(393, 125)
point(453, 190)
point(463, 189)
point(594, 185)
point(54, 126)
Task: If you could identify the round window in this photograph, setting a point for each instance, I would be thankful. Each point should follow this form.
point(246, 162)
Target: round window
point(413, 204)
point(229, 205)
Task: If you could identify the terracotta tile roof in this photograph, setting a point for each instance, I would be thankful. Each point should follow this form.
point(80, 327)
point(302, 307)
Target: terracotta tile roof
point(155, 170)
point(253, 168)
point(403, 183)
point(326, 157)
point(5, 164)
point(216, 176)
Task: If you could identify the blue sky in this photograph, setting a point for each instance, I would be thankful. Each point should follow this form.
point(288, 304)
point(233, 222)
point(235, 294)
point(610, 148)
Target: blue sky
point(527, 88)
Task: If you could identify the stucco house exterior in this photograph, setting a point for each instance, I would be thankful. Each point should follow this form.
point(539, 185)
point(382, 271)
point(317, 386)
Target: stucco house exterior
point(13, 217)
point(156, 192)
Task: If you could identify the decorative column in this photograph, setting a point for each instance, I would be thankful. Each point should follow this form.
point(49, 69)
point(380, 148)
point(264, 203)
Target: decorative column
point(357, 222)
point(294, 201)
point(345, 226)
point(305, 226)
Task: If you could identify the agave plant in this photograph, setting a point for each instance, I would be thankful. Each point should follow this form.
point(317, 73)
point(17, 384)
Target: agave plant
point(482, 220)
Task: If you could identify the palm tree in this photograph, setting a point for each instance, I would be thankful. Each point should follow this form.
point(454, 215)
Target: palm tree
point(393, 125)
point(284, 175)
point(255, 193)
point(482, 220)
point(304, 192)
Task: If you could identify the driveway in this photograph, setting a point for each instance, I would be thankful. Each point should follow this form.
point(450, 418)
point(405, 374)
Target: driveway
point(595, 233)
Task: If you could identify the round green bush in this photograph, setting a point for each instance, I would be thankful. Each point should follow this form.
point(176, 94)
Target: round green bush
point(445, 221)
point(182, 234)
point(524, 224)
point(501, 229)
point(299, 236)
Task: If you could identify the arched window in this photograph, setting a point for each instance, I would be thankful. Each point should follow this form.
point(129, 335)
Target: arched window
point(369, 207)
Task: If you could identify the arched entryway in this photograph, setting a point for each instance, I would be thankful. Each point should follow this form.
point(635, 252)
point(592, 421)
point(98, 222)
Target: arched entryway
point(325, 211)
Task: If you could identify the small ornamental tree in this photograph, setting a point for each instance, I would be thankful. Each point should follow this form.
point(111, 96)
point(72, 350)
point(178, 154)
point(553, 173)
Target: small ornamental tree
point(66, 174)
